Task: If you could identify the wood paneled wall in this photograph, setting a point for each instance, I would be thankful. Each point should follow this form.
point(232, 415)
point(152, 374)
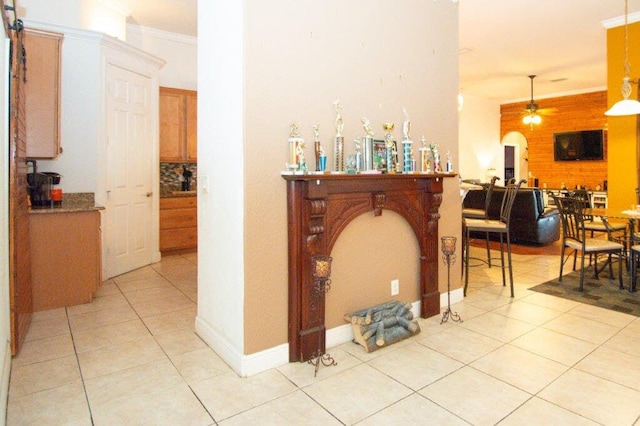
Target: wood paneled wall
point(567, 113)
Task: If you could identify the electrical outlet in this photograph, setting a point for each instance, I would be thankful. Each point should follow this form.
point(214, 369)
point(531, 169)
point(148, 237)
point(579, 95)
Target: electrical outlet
point(395, 287)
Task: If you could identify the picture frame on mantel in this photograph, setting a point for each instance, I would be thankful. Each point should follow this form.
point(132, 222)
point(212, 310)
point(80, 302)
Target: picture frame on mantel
point(379, 155)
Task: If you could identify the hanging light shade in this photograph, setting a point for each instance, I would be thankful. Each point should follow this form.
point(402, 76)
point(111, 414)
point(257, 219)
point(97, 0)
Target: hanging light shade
point(626, 106)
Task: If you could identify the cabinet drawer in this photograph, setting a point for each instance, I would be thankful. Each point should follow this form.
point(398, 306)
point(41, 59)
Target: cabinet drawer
point(178, 218)
point(171, 239)
point(178, 203)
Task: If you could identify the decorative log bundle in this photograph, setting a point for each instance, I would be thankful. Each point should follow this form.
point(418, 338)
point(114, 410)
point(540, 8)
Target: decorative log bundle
point(383, 325)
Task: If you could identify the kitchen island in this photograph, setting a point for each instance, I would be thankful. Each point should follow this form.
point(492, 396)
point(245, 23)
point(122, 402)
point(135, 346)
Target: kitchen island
point(66, 258)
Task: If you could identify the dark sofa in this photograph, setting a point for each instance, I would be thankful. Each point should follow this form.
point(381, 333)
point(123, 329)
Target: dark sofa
point(531, 222)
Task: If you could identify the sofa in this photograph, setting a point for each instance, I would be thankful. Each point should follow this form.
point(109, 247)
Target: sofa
point(531, 222)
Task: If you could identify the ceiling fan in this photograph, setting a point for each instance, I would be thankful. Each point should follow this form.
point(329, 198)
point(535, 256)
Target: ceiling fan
point(532, 112)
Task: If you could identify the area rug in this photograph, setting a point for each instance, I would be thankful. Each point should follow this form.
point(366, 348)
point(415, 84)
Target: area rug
point(601, 292)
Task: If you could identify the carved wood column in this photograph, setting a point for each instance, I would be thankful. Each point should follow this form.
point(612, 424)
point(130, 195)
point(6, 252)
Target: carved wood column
point(319, 207)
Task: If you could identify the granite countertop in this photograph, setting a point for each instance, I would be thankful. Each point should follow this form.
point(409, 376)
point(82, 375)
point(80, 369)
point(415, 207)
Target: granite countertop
point(72, 202)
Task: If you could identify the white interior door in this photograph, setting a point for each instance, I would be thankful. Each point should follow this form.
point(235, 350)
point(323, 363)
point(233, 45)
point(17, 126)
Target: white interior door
point(129, 204)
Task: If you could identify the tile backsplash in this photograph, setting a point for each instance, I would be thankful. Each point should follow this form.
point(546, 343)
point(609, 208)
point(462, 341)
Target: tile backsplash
point(170, 180)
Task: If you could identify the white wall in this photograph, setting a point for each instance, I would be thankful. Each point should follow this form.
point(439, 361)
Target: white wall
point(5, 321)
point(479, 139)
point(180, 53)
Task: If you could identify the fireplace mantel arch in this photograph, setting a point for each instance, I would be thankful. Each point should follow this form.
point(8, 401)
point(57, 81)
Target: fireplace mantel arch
point(319, 207)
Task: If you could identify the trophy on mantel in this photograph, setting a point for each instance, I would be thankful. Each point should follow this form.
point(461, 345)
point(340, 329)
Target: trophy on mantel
point(338, 151)
point(367, 145)
point(294, 148)
point(407, 150)
point(316, 145)
point(425, 156)
point(390, 145)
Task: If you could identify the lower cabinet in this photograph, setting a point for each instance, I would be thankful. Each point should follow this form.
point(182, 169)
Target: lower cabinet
point(66, 258)
point(178, 223)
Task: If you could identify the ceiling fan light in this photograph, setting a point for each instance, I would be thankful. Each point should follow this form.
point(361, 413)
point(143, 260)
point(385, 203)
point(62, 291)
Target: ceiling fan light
point(624, 107)
point(536, 119)
point(527, 119)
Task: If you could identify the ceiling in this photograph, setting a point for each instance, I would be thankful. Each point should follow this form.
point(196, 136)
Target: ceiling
point(563, 42)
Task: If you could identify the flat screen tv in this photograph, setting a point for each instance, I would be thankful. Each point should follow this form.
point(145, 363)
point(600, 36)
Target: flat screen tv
point(581, 145)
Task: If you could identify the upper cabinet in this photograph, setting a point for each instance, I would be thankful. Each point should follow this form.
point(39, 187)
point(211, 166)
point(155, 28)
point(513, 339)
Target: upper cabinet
point(178, 125)
point(42, 93)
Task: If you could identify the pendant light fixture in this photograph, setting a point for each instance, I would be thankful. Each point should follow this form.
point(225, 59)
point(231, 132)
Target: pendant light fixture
point(626, 106)
point(532, 117)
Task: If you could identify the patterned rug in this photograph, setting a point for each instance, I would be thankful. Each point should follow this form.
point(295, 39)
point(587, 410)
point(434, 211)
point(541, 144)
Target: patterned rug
point(602, 292)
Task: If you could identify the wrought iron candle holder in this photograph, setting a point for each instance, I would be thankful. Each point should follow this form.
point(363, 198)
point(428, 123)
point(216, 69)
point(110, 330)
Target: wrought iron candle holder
point(321, 271)
point(449, 257)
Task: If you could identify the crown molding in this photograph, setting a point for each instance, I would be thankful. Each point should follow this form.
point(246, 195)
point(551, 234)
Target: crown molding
point(164, 35)
point(618, 21)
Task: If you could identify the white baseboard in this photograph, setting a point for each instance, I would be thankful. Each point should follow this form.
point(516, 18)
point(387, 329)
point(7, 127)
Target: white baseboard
point(243, 365)
point(248, 365)
point(4, 381)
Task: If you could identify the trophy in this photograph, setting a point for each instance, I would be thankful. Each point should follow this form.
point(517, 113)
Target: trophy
point(302, 162)
point(316, 144)
point(437, 168)
point(294, 148)
point(367, 145)
point(390, 145)
point(323, 160)
point(338, 150)
point(358, 157)
point(425, 163)
point(407, 151)
point(449, 163)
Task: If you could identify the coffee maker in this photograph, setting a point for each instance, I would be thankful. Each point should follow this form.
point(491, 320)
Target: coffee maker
point(40, 186)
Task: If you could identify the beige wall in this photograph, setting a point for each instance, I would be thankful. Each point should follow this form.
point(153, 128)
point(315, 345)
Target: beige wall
point(376, 57)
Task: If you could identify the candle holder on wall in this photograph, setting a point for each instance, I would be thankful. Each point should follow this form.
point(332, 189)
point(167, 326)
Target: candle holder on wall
point(321, 271)
point(449, 257)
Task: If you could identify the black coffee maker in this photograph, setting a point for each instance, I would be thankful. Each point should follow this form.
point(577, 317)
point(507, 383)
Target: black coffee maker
point(40, 185)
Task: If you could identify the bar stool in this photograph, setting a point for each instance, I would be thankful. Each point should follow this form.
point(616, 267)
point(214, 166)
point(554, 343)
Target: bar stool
point(469, 213)
point(500, 227)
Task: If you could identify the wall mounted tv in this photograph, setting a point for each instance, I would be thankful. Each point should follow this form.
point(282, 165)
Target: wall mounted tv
point(581, 145)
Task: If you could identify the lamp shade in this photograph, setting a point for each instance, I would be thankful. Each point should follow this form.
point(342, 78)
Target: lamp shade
point(624, 107)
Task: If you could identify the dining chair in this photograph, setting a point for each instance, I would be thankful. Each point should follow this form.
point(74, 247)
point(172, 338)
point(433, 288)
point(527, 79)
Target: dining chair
point(635, 252)
point(574, 237)
point(500, 226)
point(597, 225)
point(592, 224)
point(469, 213)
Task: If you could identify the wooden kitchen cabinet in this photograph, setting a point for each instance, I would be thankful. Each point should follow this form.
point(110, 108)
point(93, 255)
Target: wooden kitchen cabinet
point(178, 223)
point(66, 259)
point(42, 93)
point(178, 125)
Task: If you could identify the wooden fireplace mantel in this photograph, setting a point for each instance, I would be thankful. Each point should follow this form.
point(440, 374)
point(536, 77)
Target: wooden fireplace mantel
point(319, 207)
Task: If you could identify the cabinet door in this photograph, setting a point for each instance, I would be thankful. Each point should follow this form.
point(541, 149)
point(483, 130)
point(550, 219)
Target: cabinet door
point(192, 126)
point(42, 93)
point(172, 125)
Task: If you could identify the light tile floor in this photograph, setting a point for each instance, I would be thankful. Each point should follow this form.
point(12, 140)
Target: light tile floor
point(131, 357)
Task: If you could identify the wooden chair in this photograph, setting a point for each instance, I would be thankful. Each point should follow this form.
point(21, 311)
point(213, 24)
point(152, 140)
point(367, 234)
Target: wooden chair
point(469, 213)
point(500, 227)
point(574, 237)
